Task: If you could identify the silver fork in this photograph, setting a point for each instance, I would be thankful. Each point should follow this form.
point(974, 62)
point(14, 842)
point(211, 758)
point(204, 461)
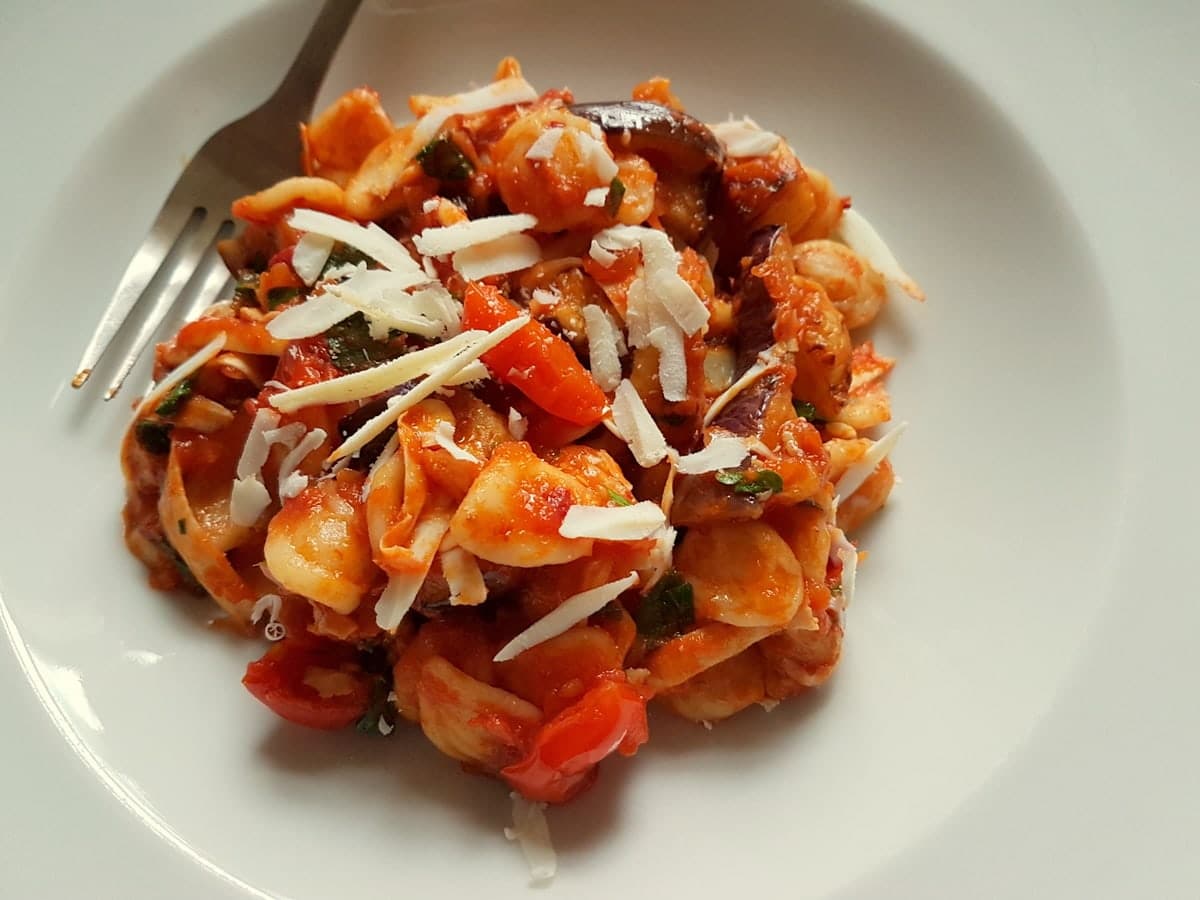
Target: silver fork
point(245, 156)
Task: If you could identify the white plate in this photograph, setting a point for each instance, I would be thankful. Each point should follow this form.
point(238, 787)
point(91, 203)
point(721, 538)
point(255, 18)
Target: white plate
point(1013, 715)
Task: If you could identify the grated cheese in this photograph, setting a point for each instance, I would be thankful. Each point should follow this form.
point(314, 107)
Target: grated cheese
point(517, 424)
point(571, 611)
point(723, 452)
point(665, 286)
point(605, 257)
point(310, 255)
point(267, 605)
point(499, 257)
point(594, 153)
point(397, 598)
point(597, 196)
point(637, 427)
point(672, 361)
point(370, 239)
point(292, 482)
point(463, 577)
point(747, 378)
point(613, 523)
point(848, 554)
point(377, 380)
point(744, 138)
point(431, 205)
point(505, 92)
point(543, 148)
point(661, 558)
point(385, 301)
point(443, 436)
point(437, 378)
point(248, 500)
point(605, 347)
point(256, 447)
point(532, 832)
point(313, 316)
point(854, 476)
point(452, 238)
point(180, 373)
point(388, 451)
point(859, 235)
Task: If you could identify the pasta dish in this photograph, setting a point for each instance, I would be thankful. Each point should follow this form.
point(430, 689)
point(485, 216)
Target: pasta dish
point(522, 415)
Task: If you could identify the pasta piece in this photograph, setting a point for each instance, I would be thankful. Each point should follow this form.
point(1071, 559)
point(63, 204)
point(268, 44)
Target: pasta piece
point(318, 545)
point(514, 510)
point(473, 722)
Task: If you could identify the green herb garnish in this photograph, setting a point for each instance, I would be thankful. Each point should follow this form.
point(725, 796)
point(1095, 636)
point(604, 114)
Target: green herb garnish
point(667, 610)
point(378, 708)
point(805, 410)
point(343, 255)
point(182, 526)
point(352, 349)
point(763, 482)
point(444, 160)
point(278, 296)
point(155, 437)
point(617, 500)
point(175, 397)
point(616, 190)
point(245, 289)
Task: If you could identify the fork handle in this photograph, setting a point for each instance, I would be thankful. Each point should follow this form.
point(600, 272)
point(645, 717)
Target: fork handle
point(294, 97)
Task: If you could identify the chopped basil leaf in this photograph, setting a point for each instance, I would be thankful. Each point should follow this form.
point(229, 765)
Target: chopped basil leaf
point(278, 296)
point(344, 254)
point(378, 708)
point(245, 288)
point(352, 349)
point(805, 410)
point(175, 397)
point(182, 526)
point(616, 190)
point(667, 610)
point(442, 159)
point(155, 437)
point(763, 482)
point(617, 499)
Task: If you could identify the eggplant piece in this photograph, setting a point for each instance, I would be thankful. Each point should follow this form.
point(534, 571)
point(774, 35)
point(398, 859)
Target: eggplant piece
point(753, 307)
point(700, 499)
point(745, 413)
point(651, 129)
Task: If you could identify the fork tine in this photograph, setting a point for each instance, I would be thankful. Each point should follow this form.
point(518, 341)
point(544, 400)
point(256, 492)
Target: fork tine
point(141, 270)
point(195, 246)
point(216, 278)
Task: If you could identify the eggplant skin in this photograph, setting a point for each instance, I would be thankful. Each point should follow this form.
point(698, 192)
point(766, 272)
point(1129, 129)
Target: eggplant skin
point(653, 129)
point(753, 307)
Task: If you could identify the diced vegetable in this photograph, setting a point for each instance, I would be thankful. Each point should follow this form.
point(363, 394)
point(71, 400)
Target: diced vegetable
point(610, 716)
point(535, 361)
point(315, 685)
